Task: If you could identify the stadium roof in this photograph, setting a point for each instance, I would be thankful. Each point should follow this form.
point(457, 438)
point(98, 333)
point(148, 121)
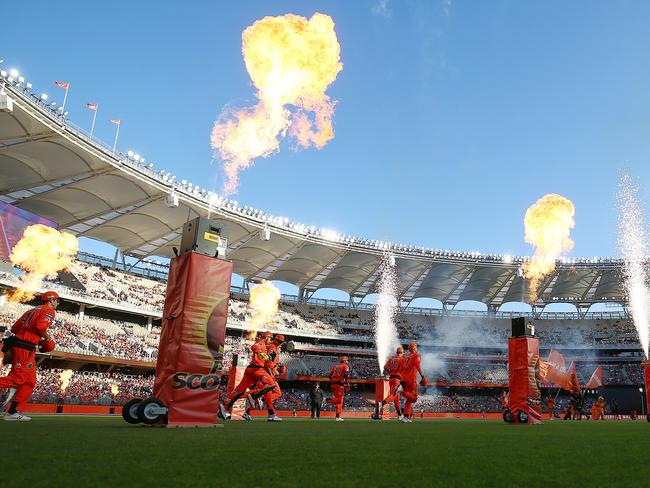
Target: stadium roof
point(54, 169)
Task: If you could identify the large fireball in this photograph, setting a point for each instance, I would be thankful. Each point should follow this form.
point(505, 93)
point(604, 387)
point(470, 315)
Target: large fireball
point(548, 223)
point(291, 61)
point(42, 253)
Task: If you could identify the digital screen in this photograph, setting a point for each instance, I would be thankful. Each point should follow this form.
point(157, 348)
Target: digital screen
point(13, 222)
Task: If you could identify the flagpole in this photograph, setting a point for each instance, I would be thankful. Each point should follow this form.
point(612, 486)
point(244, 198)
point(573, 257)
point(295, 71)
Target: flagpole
point(92, 128)
point(117, 134)
point(65, 97)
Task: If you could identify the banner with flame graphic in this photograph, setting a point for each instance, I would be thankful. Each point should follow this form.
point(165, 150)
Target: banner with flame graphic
point(523, 371)
point(190, 356)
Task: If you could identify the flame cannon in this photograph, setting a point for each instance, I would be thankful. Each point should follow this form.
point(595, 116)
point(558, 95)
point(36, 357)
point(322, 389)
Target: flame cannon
point(525, 398)
point(190, 355)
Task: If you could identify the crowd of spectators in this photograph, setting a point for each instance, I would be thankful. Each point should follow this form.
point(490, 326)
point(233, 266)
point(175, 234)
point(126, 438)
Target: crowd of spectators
point(88, 387)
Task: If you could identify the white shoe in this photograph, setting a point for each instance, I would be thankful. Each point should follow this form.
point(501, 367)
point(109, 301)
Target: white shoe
point(17, 417)
point(400, 418)
point(339, 419)
point(223, 413)
point(274, 418)
point(247, 417)
point(251, 402)
point(408, 420)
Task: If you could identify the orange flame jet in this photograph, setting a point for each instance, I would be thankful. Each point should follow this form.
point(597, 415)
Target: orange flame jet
point(291, 61)
point(42, 252)
point(548, 223)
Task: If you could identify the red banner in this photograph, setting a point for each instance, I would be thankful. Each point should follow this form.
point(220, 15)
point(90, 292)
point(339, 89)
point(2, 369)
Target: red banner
point(190, 357)
point(523, 370)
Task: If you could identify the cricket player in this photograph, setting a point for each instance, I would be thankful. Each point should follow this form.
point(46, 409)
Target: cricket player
point(410, 369)
point(273, 368)
point(255, 372)
point(339, 374)
point(29, 331)
point(392, 368)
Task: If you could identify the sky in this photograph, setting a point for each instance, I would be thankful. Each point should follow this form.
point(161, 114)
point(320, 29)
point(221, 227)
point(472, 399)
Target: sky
point(452, 117)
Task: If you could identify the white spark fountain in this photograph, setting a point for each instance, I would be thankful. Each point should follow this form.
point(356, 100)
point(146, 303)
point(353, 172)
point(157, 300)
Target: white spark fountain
point(386, 338)
point(633, 243)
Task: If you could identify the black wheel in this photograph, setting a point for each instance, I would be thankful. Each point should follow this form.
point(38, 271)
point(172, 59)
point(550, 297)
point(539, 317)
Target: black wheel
point(522, 417)
point(130, 411)
point(148, 411)
point(507, 416)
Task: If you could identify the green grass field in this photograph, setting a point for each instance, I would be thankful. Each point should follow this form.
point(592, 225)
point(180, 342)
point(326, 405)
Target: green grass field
point(100, 451)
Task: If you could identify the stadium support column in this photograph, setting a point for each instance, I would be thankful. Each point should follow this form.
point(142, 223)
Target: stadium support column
point(646, 376)
point(190, 355)
point(524, 396)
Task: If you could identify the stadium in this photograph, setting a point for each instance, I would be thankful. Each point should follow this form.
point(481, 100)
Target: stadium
point(109, 325)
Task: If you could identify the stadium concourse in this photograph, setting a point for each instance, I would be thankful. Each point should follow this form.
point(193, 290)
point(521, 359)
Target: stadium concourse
point(108, 328)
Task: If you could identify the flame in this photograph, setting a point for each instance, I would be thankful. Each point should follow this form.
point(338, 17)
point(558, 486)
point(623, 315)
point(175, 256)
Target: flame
point(42, 252)
point(291, 61)
point(548, 223)
point(64, 377)
point(263, 303)
point(115, 390)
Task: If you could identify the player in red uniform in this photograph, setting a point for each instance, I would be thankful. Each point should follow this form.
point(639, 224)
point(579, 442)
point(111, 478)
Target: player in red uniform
point(29, 330)
point(339, 374)
point(392, 368)
point(274, 368)
point(254, 373)
point(410, 370)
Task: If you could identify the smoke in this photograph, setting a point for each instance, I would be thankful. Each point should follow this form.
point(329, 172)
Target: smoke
point(632, 240)
point(386, 337)
point(291, 61)
point(455, 332)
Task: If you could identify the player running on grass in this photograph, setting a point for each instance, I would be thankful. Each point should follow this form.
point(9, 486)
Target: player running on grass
point(392, 368)
point(30, 332)
point(339, 374)
point(410, 369)
point(273, 368)
point(253, 374)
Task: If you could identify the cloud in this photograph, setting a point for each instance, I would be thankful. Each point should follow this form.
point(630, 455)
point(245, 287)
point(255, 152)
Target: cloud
point(381, 9)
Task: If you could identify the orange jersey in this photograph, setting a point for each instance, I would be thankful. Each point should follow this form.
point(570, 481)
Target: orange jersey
point(273, 351)
point(259, 356)
point(393, 366)
point(339, 373)
point(33, 324)
point(410, 365)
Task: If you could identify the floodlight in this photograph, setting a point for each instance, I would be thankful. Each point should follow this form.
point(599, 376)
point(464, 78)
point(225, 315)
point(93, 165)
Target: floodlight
point(29, 85)
point(14, 73)
point(44, 96)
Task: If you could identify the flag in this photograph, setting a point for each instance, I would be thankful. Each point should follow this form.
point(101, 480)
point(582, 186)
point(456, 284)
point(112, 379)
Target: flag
point(574, 383)
point(548, 372)
point(91, 106)
point(557, 360)
point(62, 84)
point(596, 380)
point(116, 121)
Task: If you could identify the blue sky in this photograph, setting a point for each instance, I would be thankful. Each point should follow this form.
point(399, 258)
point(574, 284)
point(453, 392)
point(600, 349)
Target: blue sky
point(452, 117)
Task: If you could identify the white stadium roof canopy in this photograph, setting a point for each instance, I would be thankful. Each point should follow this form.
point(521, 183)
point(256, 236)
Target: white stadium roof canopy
point(54, 169)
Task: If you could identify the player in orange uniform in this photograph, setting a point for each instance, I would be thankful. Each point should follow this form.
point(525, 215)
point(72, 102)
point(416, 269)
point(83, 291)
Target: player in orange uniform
point(254, 373)
point(410, 369)
point(392, 368)
point(29, 330)
point(274, 368)
point(339, 374)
